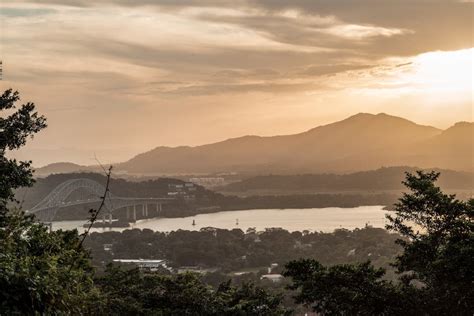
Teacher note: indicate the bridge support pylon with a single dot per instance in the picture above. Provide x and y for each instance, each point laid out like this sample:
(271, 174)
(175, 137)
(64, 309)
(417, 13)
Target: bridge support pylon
(107, 217)
(57, 199)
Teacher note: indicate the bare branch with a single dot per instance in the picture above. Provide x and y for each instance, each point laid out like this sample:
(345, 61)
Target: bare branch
(100, 164)
(95, 213)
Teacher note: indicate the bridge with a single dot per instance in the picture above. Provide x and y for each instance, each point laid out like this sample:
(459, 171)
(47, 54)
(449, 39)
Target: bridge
(85, 192)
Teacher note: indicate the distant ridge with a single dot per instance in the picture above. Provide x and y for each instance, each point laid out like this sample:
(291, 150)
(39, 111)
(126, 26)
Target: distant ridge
(363, 181)
(361, 142)
(59, 167)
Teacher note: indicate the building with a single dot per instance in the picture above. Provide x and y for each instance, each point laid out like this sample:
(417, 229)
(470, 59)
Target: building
(186, 191)
(271, 267)
(196, 269)
(145, 264)
(275, 278)
(208, 182)
(108, 247)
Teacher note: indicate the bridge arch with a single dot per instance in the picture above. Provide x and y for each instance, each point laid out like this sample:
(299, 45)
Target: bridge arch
(47, 208)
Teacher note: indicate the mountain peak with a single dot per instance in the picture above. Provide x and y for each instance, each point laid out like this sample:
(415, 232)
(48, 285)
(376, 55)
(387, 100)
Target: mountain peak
(361, 142)
(463, 124)
(382, 120)
(461, 128)
(360, 115)
(381, 115)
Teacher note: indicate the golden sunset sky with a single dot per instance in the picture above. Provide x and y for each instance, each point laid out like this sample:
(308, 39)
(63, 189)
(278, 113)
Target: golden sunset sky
(119, 77)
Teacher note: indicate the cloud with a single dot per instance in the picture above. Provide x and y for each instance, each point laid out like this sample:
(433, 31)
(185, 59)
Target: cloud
(24, 12)
(331, 69)
(196, 40)
(229, 46)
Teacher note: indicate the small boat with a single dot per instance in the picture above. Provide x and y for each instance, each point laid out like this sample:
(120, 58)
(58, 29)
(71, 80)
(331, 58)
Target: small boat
(194, 222)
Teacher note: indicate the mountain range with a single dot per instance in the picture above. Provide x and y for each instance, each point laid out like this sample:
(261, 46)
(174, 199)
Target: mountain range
(360, 142)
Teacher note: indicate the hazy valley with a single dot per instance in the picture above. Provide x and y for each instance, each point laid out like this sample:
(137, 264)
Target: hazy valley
(375, 141)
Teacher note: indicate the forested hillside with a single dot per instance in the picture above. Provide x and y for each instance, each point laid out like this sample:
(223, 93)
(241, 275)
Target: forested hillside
(374, 180)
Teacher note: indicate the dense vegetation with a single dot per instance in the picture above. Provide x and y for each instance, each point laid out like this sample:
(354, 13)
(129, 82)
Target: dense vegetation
(376, 180)
(234, 250)
(40, 272)
(50, 273)
(435, 267)
(133, 293)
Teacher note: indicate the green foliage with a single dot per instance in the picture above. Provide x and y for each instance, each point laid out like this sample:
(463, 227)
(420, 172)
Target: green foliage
(49, 273)
(40, 272)
(15, 129)
(348, 289)
(440, 250)
(234, 250)
(136, 293)
(436, 275)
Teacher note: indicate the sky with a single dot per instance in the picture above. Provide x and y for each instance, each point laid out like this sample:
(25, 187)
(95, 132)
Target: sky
(119, 77)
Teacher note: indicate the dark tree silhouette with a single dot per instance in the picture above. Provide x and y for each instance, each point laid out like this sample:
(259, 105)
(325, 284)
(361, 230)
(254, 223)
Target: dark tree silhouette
(49, 273)
(35, 273)
(436, 275)
(15, 128)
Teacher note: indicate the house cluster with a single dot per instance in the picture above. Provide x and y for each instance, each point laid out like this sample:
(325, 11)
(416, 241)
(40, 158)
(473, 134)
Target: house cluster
(185, 190)
(208, 182)
(151, 265)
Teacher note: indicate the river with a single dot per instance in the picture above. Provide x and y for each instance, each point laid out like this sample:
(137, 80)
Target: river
(312, 219)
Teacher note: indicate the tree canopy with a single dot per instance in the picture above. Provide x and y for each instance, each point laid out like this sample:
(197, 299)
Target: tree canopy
(50, 273)
(136, 293)
(40, 271)
(43, 272)
(435, 268)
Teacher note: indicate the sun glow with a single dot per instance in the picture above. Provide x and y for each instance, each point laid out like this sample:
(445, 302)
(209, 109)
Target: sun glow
(443, 78)
(444, 71)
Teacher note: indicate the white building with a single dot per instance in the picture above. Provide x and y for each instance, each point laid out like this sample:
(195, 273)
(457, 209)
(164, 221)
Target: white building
(145, 264)
(275, 278)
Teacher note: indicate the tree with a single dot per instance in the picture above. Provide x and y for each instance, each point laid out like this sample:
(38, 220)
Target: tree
(137, 293)
(438, 244)
(249, 299)
(435, 268)
(40, 272)
(49, 273)
(15, 129)
(345, 289)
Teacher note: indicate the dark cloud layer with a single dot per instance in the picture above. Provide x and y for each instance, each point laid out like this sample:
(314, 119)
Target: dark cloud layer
(317, 38)
(430, 24)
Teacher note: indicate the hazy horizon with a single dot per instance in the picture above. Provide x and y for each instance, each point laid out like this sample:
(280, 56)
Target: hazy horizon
(95, 155)
(117, 78)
